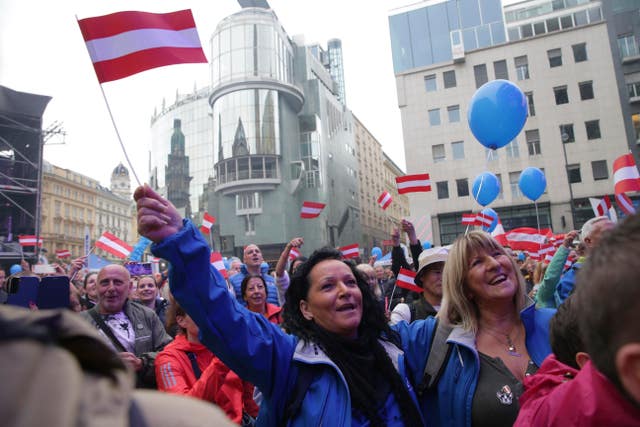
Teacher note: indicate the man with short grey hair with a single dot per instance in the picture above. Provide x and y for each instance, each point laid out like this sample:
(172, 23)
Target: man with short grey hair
(591, 233)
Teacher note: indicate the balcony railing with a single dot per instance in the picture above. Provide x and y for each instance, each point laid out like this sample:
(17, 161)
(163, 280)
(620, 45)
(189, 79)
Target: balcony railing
(256, 172)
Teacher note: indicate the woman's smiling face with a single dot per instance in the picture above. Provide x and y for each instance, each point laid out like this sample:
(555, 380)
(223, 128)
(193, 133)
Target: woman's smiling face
(491, 276)
(334, 300)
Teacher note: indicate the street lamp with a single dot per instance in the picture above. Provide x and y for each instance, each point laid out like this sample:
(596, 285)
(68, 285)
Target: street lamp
(565, 138)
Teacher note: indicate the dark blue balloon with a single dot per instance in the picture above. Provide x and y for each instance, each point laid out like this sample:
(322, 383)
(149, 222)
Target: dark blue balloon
(486, 188)
(532, 183)
(493, 214)
(377, 252)
(497, 112)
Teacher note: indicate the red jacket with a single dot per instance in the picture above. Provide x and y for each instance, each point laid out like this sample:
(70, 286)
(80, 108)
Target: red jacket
(274, 313)
(217, 384)
(551, 398)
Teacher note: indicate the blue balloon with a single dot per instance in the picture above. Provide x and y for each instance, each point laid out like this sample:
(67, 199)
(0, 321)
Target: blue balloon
(493, 214)
(486, 188)
(532, 183)
(426, 245)
(377, 252)
(497, 113)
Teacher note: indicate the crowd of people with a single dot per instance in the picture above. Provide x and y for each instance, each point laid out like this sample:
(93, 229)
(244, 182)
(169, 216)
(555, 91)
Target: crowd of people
(493, 338)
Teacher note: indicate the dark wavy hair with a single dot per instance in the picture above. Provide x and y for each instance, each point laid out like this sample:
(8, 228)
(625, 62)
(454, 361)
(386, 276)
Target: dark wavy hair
(300, 259)
(373, 322)
(245, 281)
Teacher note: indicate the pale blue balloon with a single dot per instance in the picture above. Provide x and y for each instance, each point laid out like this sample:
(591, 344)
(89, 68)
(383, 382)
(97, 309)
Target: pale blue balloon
(486, 188)
(377, 252)
(497, 113)
(532, 183)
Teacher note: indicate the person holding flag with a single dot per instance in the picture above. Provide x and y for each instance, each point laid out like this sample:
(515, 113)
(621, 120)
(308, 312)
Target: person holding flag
(546, 288)
(394, 294)
(288, 255)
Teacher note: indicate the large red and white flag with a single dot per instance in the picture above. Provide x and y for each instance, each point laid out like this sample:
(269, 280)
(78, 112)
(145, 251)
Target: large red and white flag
(207, 223)
(384, 200)
(350, 251)
(125, 43)
(413, 183)
(218, 263)
(602, 207)
(63, 253)
(311, 209)
(526, 239)
(293, 254)
(116, 247)
(625, 204)
(499, 234)
(469, 219)
(406, 280)
(625, 174)
(29, 240)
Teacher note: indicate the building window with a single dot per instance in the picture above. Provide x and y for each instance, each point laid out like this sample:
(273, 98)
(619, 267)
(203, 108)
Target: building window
(522, 67)
(532, 107)
(586, 90)
(627, 46)
(555, 57)
(437, 151)
(579, 52)
(553, 24)
(501, 194)
(593, 129)
(449, 78)
(561, 94)
(457, 148)
(566, 133)
(513, 149)
(514, 178)
(249, 225)
(500, 69)
(430, 83)
(634, 89)
(443, 189)
(566, 21)
(434, 117)
(463, 187)
(600, 171)
(454, 113)
(635, 119)
(480, 73)
(573, 172)
(533, 142)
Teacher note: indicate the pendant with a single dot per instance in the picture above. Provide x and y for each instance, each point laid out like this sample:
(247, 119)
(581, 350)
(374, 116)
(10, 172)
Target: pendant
(505, 395)
(512, 351)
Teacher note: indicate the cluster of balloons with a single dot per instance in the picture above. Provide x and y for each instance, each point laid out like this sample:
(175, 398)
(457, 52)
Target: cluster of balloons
(497, 113)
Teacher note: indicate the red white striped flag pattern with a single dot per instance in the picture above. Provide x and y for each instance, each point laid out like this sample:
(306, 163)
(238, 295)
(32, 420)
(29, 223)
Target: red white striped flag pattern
(218, 263)
(311, 209)
(384, 200)
(483, 220)
(116, 247)
(293, 254)
(625, 204)
(29, 240)
(406, 280)
(602, 207)
(207, 223)
(413, 183)
(125, 43)
(469, 219)
(526, 239)
(625, 174)
(63, 253)
(350, 251)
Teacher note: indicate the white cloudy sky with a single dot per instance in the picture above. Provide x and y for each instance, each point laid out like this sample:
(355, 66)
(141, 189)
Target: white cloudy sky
(42, 51)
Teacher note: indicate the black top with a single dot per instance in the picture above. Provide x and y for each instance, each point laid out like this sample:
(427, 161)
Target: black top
(495, 402)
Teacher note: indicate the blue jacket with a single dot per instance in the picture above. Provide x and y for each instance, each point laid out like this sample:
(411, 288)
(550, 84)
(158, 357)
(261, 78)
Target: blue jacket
(450, 402)
(566, 284)
(272, 291)
(256, 349)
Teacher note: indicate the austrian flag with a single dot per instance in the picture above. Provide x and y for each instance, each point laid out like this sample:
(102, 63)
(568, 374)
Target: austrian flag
(207, 223)
(218, 263)
(350, 251)
(625, 174)
(63, 253)
(311, 209)
(406, 280)
(116, 247)
(125, 43)
(413, 183)
(29, 240)
(469, 219)
(293, 254)
(384, 200)
(483, 220)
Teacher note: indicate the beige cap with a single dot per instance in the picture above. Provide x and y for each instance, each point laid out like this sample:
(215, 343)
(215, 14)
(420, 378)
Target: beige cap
(431, 256)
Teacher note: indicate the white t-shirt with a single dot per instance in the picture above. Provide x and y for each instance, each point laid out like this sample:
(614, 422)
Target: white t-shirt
(122, 329)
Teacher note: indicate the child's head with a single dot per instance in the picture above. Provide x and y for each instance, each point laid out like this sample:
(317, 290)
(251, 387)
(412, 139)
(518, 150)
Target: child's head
(564, 331)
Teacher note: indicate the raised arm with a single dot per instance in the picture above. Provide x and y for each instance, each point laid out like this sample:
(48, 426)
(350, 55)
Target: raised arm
(282, 278)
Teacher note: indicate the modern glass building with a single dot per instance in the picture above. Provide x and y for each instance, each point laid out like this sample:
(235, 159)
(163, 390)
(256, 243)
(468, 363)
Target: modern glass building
(436, 31)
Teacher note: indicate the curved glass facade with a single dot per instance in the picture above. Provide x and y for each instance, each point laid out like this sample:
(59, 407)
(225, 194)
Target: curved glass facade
(246, 123)
(250, 44)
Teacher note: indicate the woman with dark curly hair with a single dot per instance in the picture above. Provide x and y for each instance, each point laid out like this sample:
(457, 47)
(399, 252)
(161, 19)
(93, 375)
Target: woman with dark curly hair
(336, 331)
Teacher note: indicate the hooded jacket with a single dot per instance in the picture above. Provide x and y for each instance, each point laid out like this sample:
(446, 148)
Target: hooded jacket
(550, 399)
(450, 401)
(258, 350)
(217, 384)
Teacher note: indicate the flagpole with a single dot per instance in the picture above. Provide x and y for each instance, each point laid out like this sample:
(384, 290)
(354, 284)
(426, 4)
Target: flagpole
(211, 239)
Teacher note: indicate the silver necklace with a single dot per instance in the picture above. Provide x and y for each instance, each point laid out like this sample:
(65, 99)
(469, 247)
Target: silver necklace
(511, 347)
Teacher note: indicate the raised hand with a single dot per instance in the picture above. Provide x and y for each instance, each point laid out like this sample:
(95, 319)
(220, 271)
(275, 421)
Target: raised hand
(157, 217)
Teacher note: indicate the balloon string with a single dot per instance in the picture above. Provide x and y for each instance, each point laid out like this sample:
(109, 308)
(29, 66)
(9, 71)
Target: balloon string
(535, 203)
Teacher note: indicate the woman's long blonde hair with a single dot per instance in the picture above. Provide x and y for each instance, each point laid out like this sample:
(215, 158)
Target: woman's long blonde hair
(457, 309)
